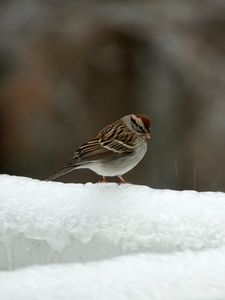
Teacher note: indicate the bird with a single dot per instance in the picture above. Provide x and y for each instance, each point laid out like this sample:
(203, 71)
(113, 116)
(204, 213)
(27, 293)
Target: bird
(116, 149)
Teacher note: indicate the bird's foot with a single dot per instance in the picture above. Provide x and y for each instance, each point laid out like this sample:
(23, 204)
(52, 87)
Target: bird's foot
(103, 180)
(122, 180)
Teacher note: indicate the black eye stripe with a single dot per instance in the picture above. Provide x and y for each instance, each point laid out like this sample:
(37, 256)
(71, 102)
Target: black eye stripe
(142, 130)
(136, 124)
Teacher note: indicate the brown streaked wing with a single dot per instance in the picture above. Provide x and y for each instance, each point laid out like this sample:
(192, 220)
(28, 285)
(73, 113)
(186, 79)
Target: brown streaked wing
(104, 146)
(107, 132)
(117, 146)
(119, 132)
(91, 152)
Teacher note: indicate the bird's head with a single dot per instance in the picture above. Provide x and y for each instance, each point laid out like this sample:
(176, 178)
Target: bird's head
(139, 123)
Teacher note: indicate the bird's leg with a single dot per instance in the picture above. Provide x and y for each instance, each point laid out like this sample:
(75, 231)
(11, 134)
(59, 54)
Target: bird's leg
(103, 179)
(122, 180)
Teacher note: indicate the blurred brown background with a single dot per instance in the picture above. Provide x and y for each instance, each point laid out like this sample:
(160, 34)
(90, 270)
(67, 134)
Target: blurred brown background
(67, 68)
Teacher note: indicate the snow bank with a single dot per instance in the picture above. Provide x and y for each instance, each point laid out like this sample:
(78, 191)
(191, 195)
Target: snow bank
(181, 236)
(42, 222)
(183, 276)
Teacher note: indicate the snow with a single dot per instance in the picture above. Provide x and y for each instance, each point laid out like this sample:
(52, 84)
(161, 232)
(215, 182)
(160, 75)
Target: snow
(120, 241)
(186, 276)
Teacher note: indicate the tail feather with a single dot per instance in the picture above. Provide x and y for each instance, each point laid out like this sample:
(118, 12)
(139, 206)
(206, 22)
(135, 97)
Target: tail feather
(60, 172)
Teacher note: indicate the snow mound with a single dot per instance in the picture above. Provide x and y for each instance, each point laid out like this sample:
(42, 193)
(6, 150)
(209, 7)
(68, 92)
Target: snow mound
(42, 222)
(181, 276)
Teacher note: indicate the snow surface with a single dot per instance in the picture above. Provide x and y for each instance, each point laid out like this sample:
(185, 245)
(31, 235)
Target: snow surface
(182, 236)
(185, 276)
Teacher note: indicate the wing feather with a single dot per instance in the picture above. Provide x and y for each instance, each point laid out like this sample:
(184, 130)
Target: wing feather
(103, 147)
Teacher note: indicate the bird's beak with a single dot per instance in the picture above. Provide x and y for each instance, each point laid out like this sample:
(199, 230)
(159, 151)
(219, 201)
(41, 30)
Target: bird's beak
(147, 136)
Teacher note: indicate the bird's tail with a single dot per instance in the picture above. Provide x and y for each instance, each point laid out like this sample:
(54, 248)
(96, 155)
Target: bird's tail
(60, 172)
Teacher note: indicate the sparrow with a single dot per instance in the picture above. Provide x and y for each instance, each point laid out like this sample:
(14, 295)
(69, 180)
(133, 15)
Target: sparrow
(116, 149)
